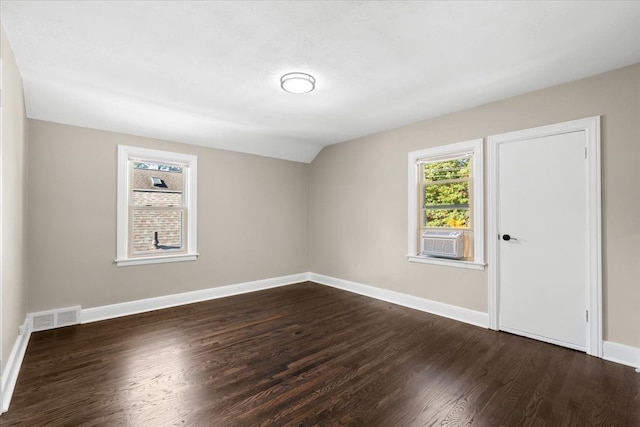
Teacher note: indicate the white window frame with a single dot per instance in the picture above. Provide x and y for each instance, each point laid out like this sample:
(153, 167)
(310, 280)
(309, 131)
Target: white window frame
(477, 211)
(125, 155)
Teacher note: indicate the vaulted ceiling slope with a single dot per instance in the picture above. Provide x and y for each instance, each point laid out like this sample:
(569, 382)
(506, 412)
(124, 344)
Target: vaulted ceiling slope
(208, 73)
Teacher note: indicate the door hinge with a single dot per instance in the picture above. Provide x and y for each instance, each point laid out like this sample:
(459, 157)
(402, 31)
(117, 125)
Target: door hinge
(587, 315)
(585, 152)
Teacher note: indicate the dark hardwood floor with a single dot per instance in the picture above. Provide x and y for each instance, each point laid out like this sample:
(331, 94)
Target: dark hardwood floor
(307, 355)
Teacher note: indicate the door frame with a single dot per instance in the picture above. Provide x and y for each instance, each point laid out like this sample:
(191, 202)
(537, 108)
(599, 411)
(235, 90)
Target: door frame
(591, 127)
(2, 374)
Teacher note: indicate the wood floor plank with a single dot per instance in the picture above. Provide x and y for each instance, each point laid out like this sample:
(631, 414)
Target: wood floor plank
(310, 355)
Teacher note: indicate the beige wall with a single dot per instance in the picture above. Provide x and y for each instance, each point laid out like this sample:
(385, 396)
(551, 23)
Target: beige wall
(252, 220)
(14, 143)
(260, 217)
(358, 196)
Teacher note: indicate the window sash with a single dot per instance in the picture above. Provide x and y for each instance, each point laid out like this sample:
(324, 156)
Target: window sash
(185, 176)
(189, 163)
(133, 253)
(422, 199)
(182, 208)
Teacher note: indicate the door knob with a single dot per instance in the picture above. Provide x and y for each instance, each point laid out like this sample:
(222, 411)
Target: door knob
(506, 237)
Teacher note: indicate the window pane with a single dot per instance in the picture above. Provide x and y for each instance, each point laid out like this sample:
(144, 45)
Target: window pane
(157, 230)
(157, 185)
(156, 166)
(451, 195)
(448, 218)
(449, 169)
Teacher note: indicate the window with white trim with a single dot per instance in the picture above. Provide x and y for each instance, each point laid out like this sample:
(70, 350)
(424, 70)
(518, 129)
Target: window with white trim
(446, 218)
(157, 206)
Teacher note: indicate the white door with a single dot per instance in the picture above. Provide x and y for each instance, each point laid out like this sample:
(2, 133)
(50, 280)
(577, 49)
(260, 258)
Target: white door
(542, 231)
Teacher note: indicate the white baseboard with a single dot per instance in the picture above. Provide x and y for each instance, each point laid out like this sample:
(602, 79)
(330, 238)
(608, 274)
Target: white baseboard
(461, 314)
(140, 306)
(620, 353)
(10, 374)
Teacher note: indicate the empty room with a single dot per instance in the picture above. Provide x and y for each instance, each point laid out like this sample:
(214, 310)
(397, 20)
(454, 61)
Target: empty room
(319, 213)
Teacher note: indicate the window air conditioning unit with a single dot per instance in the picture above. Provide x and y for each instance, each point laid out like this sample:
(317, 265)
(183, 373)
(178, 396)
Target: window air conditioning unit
(446, 244)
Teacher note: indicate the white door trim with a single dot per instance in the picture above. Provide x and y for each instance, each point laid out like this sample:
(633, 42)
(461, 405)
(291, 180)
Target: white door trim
(1, 237)
(591, 127)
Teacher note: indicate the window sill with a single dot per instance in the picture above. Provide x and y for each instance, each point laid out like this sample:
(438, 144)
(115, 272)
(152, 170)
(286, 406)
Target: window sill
(472, 265)
(156, 259)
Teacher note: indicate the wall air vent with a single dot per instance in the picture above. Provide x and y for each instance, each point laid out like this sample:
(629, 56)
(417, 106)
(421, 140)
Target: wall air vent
(445, 244)
(43, 321)
(66, 318)
(51, 319)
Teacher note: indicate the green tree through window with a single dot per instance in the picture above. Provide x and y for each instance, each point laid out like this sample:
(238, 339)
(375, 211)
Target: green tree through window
(445, 193)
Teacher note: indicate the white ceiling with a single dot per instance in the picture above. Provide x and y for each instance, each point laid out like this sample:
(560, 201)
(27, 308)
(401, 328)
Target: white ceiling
(207, 73)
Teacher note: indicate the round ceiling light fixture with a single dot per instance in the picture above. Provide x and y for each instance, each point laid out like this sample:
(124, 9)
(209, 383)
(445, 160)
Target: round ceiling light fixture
(297, 82)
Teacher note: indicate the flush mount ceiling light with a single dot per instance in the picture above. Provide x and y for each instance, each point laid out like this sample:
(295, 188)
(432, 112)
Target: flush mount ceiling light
(297, 82)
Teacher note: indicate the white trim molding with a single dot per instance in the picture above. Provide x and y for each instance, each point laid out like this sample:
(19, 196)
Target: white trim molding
(461, 314)
(620, 353)
(474, 146)
(14, 363)
(190, 197)
(2, 393)
(591, 127)
(448, 262)
(105, 312)
(156, 260)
